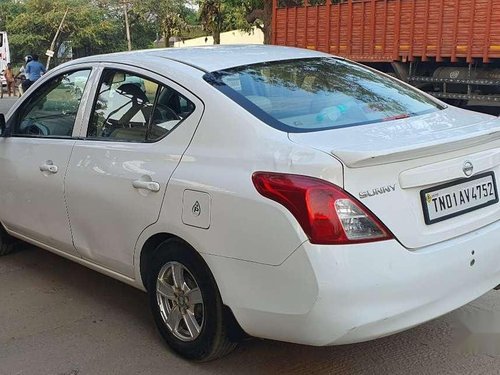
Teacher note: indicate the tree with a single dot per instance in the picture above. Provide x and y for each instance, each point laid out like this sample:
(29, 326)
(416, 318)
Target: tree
(143, 32)
(91, 26)
(259, 13)
(212, 17)
(255, 13)
(169, 16)
(217, 16)
(88, 29)
(9, 9)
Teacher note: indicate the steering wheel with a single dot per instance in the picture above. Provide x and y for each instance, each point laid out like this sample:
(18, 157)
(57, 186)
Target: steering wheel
(35, 128)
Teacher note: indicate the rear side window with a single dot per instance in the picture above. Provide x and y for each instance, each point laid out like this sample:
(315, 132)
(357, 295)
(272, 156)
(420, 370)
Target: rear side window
(132, 108)
(320, 93)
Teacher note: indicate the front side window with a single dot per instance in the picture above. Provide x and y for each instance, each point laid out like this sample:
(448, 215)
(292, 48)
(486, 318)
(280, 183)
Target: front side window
(319, 93)
(132, 108)
(51, 110)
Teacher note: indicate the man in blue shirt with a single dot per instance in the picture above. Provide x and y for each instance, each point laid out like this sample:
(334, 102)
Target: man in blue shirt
(34, 70)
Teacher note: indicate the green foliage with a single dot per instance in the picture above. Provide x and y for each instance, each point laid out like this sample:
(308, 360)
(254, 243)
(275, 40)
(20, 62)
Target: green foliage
(217, 16)
(169, 17)
(8, 11)
(254, 13)
(98, 26)
(91, 26)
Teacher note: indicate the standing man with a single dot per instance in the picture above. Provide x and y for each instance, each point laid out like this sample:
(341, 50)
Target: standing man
(8, 73)
(34, 70)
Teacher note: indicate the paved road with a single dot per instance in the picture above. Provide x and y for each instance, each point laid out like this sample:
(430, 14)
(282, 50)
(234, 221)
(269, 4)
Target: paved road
(6, 103)
(59, 318)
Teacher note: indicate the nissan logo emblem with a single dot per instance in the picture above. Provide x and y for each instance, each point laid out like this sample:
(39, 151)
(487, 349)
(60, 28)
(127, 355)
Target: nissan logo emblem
(468, 168)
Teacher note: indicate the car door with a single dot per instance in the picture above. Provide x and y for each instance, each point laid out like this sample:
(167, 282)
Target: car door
(139, 127)
(34, 158)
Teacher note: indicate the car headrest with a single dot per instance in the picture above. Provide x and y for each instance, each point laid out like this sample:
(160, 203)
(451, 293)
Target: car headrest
(133, 91)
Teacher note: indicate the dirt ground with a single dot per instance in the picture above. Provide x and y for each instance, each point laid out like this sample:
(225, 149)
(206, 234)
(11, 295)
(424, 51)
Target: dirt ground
(57, 317)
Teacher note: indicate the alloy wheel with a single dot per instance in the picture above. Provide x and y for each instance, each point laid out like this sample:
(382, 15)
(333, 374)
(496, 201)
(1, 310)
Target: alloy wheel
(180, 301)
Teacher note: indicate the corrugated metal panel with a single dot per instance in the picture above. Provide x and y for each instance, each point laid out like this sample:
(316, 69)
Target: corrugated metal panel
(386, 30)
(420, 22)
(406, 29)
(494, 46)
(323, 21)
(311, 27)
(448, 21)
(300, 24)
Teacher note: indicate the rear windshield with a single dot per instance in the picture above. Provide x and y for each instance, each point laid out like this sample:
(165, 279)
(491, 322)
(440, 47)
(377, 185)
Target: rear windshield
(318, 94)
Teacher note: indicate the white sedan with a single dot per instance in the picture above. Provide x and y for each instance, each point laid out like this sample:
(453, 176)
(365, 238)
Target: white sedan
(278, 192)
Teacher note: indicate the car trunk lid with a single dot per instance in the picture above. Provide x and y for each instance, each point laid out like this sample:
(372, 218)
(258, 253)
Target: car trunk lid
(394, 167)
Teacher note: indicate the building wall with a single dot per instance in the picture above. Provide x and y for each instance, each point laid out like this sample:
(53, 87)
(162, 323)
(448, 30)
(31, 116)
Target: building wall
(230, 37)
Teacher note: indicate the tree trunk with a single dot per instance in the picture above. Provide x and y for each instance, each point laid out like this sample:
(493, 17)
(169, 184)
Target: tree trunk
(264, 15)
(217, 22)
(216, 36)
(166, 39)
(268, 21)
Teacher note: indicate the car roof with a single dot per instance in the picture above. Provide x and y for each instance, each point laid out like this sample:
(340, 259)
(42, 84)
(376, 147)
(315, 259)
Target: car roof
(211, 58)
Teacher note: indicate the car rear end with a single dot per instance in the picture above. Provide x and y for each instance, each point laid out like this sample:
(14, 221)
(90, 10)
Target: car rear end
(411, 234)
(441, 208)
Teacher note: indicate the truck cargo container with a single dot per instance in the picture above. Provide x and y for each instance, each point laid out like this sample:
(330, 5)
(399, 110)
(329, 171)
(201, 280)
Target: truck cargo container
(449, 48)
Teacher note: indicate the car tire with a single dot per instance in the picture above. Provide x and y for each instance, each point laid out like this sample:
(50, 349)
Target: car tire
(186, 303)
(6, 242)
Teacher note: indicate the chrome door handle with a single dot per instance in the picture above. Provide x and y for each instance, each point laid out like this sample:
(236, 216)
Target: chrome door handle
(48, 168)
(148, 185)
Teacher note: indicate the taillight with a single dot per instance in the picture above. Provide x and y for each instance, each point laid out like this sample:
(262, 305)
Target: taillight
(327, 214)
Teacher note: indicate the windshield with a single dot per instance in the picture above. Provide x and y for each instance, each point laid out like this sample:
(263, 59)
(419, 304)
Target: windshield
(321, 93)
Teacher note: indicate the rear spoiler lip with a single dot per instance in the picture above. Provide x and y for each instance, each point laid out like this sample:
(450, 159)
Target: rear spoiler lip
(359, 159)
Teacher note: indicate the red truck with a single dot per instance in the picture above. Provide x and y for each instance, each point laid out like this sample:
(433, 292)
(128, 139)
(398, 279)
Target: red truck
(449, 48)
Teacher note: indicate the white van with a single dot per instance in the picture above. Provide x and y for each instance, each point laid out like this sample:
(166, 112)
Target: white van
(4, 54)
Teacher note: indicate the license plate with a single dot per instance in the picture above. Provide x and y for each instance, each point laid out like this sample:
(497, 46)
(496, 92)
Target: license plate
(459, 197)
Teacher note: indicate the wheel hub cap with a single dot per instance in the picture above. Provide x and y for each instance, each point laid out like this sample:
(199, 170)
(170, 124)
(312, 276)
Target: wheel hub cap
(180, 301)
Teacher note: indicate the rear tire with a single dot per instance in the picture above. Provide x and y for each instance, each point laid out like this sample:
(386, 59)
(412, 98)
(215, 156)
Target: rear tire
(186, 303)
(6, 242)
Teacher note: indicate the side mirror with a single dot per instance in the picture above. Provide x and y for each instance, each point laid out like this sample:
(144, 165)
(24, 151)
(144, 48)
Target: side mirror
(2, 125)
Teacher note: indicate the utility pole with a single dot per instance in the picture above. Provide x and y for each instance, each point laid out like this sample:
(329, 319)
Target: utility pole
(127, 26)
(50, 52)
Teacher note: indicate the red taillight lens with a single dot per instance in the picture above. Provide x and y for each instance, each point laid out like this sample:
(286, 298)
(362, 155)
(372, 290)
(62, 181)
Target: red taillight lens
(327, 214)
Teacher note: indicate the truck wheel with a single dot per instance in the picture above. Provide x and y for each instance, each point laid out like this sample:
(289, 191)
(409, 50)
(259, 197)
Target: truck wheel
(186, 304)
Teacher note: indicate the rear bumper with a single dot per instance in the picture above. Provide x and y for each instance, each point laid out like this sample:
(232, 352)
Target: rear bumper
(326, 295)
